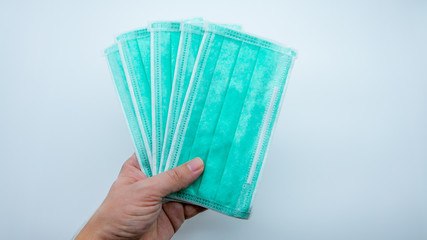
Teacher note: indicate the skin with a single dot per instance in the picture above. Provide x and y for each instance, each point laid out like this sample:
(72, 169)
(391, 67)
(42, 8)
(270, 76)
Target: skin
(133, 208)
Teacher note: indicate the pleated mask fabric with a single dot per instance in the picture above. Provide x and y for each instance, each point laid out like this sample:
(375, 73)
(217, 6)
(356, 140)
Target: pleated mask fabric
(189, 44)
(134, 48)
(227, 117)
(191, 37)
(164, 49)
(119, 78)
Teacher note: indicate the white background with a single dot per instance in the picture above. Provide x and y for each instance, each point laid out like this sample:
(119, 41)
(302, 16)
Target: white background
(348, 159)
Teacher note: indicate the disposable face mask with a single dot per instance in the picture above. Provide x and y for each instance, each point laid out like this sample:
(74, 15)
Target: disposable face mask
(134, 49)
(227, 117)
(118, 74)
(164, 48)
(189, 44)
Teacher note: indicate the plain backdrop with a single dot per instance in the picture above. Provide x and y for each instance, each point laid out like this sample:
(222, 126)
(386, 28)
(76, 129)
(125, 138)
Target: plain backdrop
(348, 159)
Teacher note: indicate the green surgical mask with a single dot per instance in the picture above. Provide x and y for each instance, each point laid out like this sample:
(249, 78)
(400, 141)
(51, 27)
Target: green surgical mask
(118, 74)
(134, 49)
(164, 49)
(189, 44)
(227, 117)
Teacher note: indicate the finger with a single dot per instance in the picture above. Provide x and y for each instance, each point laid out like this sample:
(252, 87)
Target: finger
(175, 179)
(133, 161)
(192, 210)
(131, 168)
(175, 213)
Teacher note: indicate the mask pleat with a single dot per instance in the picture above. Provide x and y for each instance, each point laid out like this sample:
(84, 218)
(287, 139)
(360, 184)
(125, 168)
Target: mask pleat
(138, 86)
(143, 91)
(155, 96)
(120, 82)
(168, 42)
(200, 98)
(190, 89)
(189, 44)
(284, 63)
(241, 152)
(144, 50)
(166, 68)
(213, 106)
(228, 120)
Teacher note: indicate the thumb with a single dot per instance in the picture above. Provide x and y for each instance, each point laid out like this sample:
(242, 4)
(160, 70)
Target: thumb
(177, 178)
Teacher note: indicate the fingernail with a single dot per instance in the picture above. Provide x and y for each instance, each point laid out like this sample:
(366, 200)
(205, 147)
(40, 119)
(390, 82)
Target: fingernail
(195, 164)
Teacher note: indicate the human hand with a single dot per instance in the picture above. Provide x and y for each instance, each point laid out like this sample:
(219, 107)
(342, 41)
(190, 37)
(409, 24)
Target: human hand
(133, 208)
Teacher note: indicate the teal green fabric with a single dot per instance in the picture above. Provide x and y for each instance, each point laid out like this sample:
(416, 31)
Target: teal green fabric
(228, 114)
(191, 37)
(119, 77)
(135, 51)
(164, 49)
(189, 44)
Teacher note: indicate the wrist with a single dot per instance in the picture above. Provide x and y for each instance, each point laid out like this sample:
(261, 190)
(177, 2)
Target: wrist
(92, 230)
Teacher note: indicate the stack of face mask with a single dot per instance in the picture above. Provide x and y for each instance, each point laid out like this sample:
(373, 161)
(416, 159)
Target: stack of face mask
(195, 89)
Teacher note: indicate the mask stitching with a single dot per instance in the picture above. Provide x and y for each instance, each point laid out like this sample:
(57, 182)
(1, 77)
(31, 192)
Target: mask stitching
(189, 97)
(156, 86)
(132, 84)
(249, 39)
(129, 113)
(210, 204)
(192, 28)
(177, 86)
(165, 26)
(147, 126)
(133, 35)
(141, 105)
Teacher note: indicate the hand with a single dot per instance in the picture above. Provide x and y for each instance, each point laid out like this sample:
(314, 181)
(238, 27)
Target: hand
(133, 208)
